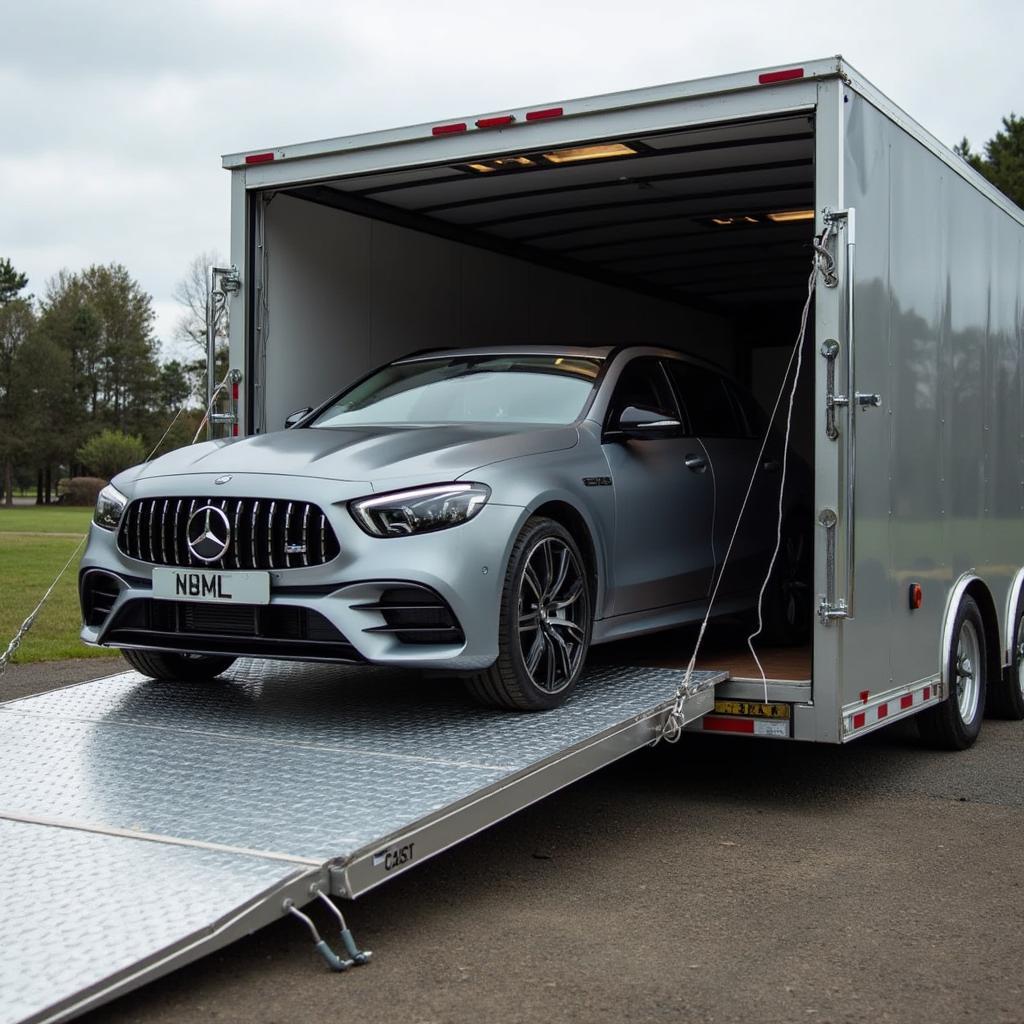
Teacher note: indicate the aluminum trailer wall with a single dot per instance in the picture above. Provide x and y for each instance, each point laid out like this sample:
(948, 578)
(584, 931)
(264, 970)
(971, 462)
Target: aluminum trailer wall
(939, 330)
(347, 293)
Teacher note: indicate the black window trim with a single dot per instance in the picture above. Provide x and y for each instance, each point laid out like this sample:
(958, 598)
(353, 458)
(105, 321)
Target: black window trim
(746, 432)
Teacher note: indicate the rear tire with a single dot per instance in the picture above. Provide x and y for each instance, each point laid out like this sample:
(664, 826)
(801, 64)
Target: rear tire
(1006, 697)
(184, 667)
(955, 723)
(544, 625)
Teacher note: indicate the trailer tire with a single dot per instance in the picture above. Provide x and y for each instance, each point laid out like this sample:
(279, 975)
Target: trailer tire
(546, 589)
(1006, 698)
(183, 667)
(955, 723)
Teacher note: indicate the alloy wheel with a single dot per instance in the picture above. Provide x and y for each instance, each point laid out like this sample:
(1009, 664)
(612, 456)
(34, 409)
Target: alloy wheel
(552, 630)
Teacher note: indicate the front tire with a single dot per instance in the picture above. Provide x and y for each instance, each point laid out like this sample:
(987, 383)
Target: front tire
(184, 667)
(544, 626)
(955, 723)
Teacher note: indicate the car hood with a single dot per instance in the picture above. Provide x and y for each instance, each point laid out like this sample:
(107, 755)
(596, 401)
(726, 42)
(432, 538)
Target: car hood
(371, 454)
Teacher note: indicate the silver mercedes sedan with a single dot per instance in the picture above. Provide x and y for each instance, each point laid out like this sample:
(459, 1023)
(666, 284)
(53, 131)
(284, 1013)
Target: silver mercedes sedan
(491, 512)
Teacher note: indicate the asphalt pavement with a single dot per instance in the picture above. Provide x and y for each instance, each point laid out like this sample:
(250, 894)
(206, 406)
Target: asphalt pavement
(721, 880)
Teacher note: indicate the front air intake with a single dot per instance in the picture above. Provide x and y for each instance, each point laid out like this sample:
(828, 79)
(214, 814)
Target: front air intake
(260, 533)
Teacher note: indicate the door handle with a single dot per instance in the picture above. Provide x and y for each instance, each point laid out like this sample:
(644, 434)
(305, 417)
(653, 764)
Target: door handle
(771, 465)
(695, 463)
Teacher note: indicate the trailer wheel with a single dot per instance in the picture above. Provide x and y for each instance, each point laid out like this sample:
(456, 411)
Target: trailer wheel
(544, 626)
(186, 667)
(955, 723)
(1007, 697)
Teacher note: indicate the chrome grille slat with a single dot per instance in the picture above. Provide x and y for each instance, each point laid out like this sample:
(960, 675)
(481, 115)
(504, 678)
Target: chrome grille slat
(252, 533)
(287, 526)
(305, 535)
(270, 536)
(179, 559)
(163, 532)
(155, 530)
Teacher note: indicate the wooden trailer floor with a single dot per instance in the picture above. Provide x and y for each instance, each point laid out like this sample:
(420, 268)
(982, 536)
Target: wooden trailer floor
(724, 647)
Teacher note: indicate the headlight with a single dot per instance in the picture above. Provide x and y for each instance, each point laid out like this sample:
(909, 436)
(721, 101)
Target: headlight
(110, 503)
(420, 510)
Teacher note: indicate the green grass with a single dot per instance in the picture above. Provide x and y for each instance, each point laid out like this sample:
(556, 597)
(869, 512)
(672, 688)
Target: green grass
(44, 519)
(28, 562)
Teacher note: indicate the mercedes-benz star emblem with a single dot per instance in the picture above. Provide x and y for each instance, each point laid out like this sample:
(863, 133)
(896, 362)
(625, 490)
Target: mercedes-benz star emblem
(209, 533)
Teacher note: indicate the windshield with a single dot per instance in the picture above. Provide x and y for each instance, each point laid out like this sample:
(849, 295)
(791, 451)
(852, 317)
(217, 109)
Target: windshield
(468, 389)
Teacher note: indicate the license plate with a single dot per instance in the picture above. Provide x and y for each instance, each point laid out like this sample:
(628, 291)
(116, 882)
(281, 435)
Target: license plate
(213, 587)
(751, 709)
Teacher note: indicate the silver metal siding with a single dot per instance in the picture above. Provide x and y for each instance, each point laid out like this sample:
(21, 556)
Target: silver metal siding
(939, 335)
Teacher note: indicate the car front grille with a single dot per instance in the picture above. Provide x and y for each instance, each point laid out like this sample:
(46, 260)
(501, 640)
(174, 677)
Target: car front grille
(263, 533)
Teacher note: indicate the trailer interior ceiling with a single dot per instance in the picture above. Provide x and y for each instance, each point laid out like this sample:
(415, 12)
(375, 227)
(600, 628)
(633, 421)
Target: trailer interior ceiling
(717, 218)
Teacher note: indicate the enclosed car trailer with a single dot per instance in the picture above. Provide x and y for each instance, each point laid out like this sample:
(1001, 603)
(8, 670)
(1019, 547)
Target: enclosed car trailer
(684, 215)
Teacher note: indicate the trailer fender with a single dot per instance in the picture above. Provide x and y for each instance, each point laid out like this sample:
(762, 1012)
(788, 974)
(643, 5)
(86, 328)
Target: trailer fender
(1013, 600)
(970, 583)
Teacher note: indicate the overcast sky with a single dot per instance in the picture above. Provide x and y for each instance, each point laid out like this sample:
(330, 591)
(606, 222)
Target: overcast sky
(115, 112)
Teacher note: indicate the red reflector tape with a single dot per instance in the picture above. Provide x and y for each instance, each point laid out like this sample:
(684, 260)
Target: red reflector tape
(883, 710)
(540, 115)
(495, 122)
(907, 701)
(858, 720)
(234, 391)
(715, 724)
(234, 430)
(780, 76)
(926, 693)
(448, 129)
(259, 158)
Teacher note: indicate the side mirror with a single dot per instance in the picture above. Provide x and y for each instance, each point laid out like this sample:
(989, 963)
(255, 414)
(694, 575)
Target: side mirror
(634, 422)
(297, 417)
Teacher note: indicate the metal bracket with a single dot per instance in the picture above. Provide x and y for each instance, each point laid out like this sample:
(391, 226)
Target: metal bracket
(356, 955)
(830, 350)
(829, 609)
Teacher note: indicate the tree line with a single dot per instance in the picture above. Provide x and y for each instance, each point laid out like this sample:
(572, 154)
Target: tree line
(82, 387)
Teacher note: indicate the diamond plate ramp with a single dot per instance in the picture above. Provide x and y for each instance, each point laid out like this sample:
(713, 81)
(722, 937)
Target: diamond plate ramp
(171, 818)
(131, 907)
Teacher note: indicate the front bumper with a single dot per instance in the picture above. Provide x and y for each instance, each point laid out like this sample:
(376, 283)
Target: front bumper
(463, 566)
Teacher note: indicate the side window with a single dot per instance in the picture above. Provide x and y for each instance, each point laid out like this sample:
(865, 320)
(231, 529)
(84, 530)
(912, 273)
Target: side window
(756, 420)
(707, 401)
(643, 384)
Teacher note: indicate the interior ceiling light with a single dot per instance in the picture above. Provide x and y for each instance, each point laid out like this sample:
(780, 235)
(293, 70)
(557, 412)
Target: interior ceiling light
(600, 152)
(505, 163)
(786, 216)
(741, 219)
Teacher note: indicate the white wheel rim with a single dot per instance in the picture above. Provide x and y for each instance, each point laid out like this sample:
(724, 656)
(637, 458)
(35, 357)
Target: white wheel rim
(967, 672)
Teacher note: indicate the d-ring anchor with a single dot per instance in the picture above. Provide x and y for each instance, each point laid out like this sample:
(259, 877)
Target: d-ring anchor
(359, 956)
(335, 962)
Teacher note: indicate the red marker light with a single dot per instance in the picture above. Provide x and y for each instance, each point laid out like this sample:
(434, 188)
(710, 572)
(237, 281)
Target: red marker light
(780, 76)
(916, 596)
(259, 158)
(540, 115)
(495, 122)
(448, 129)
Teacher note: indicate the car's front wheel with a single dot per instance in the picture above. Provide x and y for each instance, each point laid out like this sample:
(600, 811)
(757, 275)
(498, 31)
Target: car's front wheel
(186, 667)
(545, 623)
